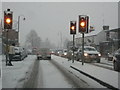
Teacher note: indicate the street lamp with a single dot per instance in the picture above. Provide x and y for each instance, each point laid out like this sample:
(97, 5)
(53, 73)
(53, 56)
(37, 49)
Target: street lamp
(19, 24)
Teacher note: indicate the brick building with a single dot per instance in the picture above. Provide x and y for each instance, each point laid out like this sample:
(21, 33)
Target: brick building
(12, 36)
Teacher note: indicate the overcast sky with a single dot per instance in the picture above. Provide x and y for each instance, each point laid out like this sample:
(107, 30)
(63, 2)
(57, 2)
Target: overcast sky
(51, 19)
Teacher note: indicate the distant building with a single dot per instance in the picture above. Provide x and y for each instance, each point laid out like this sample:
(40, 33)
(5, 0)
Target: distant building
(12, 36)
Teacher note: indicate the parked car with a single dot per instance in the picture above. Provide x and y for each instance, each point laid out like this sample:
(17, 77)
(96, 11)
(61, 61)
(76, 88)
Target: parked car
(19, 53)
(43, 53)
(90, 54)
(116, 60)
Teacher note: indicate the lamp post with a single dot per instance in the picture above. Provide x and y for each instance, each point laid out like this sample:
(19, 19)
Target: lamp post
(19, 25)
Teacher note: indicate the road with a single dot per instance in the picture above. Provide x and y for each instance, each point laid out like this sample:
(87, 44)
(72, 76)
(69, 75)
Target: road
(52, 77)
(48, 74)
(56, 73)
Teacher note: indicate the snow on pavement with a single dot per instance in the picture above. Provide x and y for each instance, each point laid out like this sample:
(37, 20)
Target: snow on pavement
(14, 76)
(105, 75)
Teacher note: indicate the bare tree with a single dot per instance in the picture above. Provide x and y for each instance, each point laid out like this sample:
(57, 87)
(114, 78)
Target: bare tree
(33, 39)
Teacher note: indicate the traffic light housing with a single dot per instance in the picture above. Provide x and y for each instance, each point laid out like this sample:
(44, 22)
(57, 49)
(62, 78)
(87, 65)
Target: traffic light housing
(8, 19)
(83, 23)
(72, 27)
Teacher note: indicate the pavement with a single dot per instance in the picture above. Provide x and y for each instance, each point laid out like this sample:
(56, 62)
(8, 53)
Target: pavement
(15, 76)
(106, 77)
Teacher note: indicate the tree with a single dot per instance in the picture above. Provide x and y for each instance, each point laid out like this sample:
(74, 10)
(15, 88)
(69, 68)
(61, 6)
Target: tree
(33, 39)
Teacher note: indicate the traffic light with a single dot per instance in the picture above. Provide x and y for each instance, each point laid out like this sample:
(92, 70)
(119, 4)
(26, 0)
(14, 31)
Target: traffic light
(72, 27)
(8, 19)
(83, 23)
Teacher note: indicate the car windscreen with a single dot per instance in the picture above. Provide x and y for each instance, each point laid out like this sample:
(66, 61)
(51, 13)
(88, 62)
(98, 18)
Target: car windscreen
(89, 49)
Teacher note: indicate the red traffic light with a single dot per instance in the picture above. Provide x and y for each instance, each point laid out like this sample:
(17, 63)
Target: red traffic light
(72, 27)
(83, 23)
(8, 20)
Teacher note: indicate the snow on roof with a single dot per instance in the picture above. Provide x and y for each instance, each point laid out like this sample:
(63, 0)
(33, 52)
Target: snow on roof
(93, 33)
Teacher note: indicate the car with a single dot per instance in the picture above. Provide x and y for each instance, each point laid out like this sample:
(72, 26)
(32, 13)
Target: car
(90, 54)
(110, 56)
(116, 60)
(43, 53)
(52, 51)
(19, 53)
(64, 53)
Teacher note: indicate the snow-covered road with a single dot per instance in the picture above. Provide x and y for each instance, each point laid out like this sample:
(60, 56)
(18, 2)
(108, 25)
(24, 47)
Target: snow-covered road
(56, 73)
(52, 77)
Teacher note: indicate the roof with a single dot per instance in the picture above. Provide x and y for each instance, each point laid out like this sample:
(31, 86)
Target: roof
(88, 47)
(93, 33)
(112, 30)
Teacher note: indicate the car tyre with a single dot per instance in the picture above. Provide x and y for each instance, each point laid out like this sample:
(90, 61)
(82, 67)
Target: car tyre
(98, 61)
(49, 58)
(38, 58)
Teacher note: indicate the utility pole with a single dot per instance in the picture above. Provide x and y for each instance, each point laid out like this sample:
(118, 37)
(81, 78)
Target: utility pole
(19, 27)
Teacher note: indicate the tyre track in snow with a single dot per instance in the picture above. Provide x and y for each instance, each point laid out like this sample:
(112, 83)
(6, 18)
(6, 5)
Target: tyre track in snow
(75, 80)
(54, 70)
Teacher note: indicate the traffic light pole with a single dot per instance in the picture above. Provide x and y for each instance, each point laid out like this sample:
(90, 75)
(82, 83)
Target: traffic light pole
(6, 47)
(82, 48)
(73, 47)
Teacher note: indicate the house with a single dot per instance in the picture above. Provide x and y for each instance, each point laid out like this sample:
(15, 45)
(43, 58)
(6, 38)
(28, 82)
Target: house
(112, 42)
(93, 38)
(105, 41)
